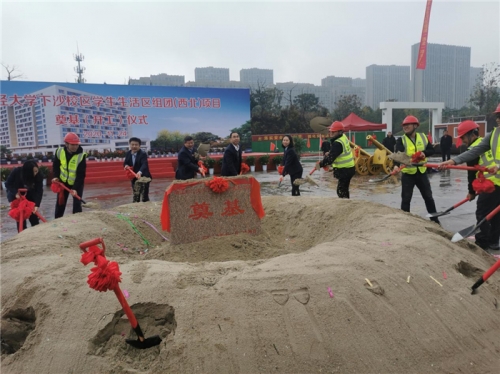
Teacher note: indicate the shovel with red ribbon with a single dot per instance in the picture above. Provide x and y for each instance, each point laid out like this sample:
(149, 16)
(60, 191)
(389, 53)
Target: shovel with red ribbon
(105, 276)
(22, 208)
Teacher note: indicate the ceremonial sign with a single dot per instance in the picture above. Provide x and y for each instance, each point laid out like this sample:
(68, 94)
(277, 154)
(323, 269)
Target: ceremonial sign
(199, 209)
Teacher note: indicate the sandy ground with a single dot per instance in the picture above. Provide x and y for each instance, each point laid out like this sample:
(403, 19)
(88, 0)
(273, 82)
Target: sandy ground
(329, 286)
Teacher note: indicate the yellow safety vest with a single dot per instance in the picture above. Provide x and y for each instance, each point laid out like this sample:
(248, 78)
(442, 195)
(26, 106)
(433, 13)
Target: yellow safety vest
(68, 170)
(411, 148)
(486, 160)
(345, 159)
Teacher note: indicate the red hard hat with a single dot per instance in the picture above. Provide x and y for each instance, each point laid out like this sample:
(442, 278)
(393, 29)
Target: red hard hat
(410, 119)
(465, 127)
(498, 109)
(71, 138)
(336, 126)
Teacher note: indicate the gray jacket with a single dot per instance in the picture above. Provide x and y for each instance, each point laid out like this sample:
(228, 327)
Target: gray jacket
(475, 152)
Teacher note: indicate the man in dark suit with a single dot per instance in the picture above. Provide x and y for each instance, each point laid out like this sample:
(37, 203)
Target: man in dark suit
(446, 143)
(137, 159)
(231, 161)
(389, 142)
(187, 164)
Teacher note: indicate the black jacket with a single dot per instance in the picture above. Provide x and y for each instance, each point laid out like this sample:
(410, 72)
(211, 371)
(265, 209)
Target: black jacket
(446, 143)
(187, 166)
(141, 163)
(15, 181)
(81, 170)
(336, 149)
(389, 142)
(291, 162)
(325, 146)
(231, 161)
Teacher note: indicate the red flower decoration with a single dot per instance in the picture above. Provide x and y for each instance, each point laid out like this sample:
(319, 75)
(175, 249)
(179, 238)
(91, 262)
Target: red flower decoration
(203, 168)
(482, 185)
(104, 278)
(280, 169)
(55, 187)
(130, 174)
(244, 168)
(91, 255)
(218, 185)
(24, 206)
(418, 157)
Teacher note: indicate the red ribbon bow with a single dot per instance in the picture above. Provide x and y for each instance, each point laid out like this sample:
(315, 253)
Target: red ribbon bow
(218, 185)
(482, 185)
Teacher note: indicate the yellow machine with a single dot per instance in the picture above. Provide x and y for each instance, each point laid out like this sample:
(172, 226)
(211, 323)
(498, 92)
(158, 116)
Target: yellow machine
(379, 161)
(361, 159)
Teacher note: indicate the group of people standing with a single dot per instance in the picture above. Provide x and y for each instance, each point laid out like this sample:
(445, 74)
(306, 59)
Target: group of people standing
(69, 170)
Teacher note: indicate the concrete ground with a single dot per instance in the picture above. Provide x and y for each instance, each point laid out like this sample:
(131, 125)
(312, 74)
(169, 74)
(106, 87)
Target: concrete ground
(448, 187)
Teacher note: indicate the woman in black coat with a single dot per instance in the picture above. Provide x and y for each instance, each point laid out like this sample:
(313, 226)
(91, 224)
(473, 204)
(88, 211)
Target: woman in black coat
(26, 176)
(291, 163)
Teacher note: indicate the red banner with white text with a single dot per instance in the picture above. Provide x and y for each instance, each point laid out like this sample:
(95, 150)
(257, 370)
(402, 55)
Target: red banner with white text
(422, 53)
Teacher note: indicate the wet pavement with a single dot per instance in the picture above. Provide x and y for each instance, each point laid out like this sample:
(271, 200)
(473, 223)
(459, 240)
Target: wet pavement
(448, 187)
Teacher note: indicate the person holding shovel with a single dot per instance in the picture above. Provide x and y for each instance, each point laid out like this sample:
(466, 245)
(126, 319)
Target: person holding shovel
(70, 168)
(417, 146)
(26, 176)
(487, 151)
(187, 164)
(232, 159)
(291, 163)
(137, 160)
(340, 157)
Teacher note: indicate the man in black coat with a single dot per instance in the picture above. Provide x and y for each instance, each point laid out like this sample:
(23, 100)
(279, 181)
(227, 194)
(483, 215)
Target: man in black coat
(446, 143)
(137, 159)
(231, 161)
(187, 164)
(389, 142)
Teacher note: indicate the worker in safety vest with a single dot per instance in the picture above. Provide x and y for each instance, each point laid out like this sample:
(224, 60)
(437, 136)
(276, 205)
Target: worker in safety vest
(70, 168)
(341, 158)
(417, 146)
(488, 151)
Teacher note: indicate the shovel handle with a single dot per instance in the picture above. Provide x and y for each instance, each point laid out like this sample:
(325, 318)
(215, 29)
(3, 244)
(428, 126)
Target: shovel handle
(492, 213)
(90, 243)
(40, 216)
(461, 202)
(126, 309)
(486, 275)
(459, 167)
(69, 190)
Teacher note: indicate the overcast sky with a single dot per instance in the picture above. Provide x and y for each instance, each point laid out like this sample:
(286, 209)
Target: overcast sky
(301, 41)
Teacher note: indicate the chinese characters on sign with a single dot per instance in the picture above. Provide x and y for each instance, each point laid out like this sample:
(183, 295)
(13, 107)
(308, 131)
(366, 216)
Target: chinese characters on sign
(202, 210)
(68, 102)
(109, 101)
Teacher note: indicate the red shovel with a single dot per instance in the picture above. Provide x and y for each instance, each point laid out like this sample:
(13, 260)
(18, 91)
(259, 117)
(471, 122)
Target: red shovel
(67, 189)
(447, 211)
(106, 276)
(485, 276)
(472, 230)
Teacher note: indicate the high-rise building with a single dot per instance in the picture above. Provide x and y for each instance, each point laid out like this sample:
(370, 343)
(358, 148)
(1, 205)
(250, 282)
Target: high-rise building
(474, 75)
(256, 78)
(211, 74)
(45, 121)
(445, 78)
(384, 83)
(159, 80)
(344, 86)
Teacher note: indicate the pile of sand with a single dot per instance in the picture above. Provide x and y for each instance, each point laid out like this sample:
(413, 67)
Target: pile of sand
(324, 288)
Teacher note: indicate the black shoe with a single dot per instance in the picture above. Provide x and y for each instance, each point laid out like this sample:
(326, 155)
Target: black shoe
(493, 247)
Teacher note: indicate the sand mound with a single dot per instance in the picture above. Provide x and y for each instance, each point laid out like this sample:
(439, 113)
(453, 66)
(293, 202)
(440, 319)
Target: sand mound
(324, 288)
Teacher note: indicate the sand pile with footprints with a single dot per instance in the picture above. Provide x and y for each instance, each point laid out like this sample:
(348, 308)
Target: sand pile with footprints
(329, 286)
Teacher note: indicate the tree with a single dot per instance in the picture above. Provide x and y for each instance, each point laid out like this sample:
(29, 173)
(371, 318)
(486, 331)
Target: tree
(167, 140)
(204, 137)
(245, 132)
(12, 72)
(486, 94)
(4, 151)
(346, 105)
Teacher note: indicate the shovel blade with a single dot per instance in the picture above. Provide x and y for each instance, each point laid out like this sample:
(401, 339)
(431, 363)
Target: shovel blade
(438, 214)
(152, 341)
(465, 233)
